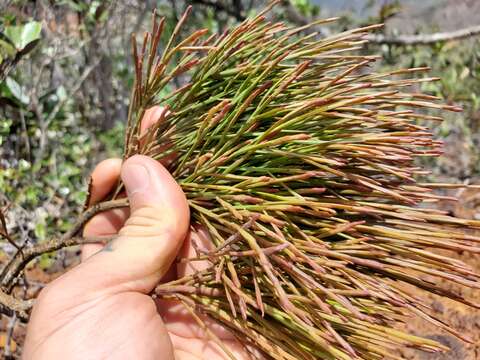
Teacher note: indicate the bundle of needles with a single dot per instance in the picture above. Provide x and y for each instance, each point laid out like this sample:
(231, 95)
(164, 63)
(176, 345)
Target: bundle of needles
(300, 163)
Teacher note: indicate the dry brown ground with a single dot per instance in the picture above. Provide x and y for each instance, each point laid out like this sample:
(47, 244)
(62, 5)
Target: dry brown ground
(463, 318)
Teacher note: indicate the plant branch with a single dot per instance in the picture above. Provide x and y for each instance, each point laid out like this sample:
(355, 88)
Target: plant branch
(294, 16)
(424, 39)
(9, 335)
(24, 256)
(10, 306)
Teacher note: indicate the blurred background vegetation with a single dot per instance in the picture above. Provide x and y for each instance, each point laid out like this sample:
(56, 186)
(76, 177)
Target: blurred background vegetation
(65, 75)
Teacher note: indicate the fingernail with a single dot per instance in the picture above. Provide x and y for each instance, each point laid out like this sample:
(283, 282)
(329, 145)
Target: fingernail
(136, 179)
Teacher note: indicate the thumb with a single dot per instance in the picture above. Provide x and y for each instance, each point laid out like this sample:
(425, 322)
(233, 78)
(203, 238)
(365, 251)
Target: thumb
(147, 244)
(158, 224)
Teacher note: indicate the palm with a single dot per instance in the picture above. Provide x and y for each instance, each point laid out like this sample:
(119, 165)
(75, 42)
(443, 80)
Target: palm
(123, 322)
(189, 339)
(128, 326)
(145, 320)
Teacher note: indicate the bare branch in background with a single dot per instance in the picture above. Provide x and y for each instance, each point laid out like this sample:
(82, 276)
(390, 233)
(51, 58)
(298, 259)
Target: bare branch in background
(9, 306)
(424, 39)
(294, 16)
(70, 238)
(8, 338)
(235, 11)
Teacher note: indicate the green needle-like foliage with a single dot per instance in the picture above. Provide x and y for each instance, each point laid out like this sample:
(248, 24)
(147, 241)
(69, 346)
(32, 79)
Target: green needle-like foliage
(300, 164)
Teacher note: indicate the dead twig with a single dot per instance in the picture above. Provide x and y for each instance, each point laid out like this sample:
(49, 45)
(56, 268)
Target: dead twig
(423, 39)
(10, 306)
(8, 337)
(23, 257)
(294, 16)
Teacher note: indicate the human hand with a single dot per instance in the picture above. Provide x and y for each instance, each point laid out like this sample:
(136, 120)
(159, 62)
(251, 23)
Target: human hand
(101, 309)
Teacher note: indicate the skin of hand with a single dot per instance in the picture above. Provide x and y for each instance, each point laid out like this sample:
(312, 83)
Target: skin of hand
(101, 309)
